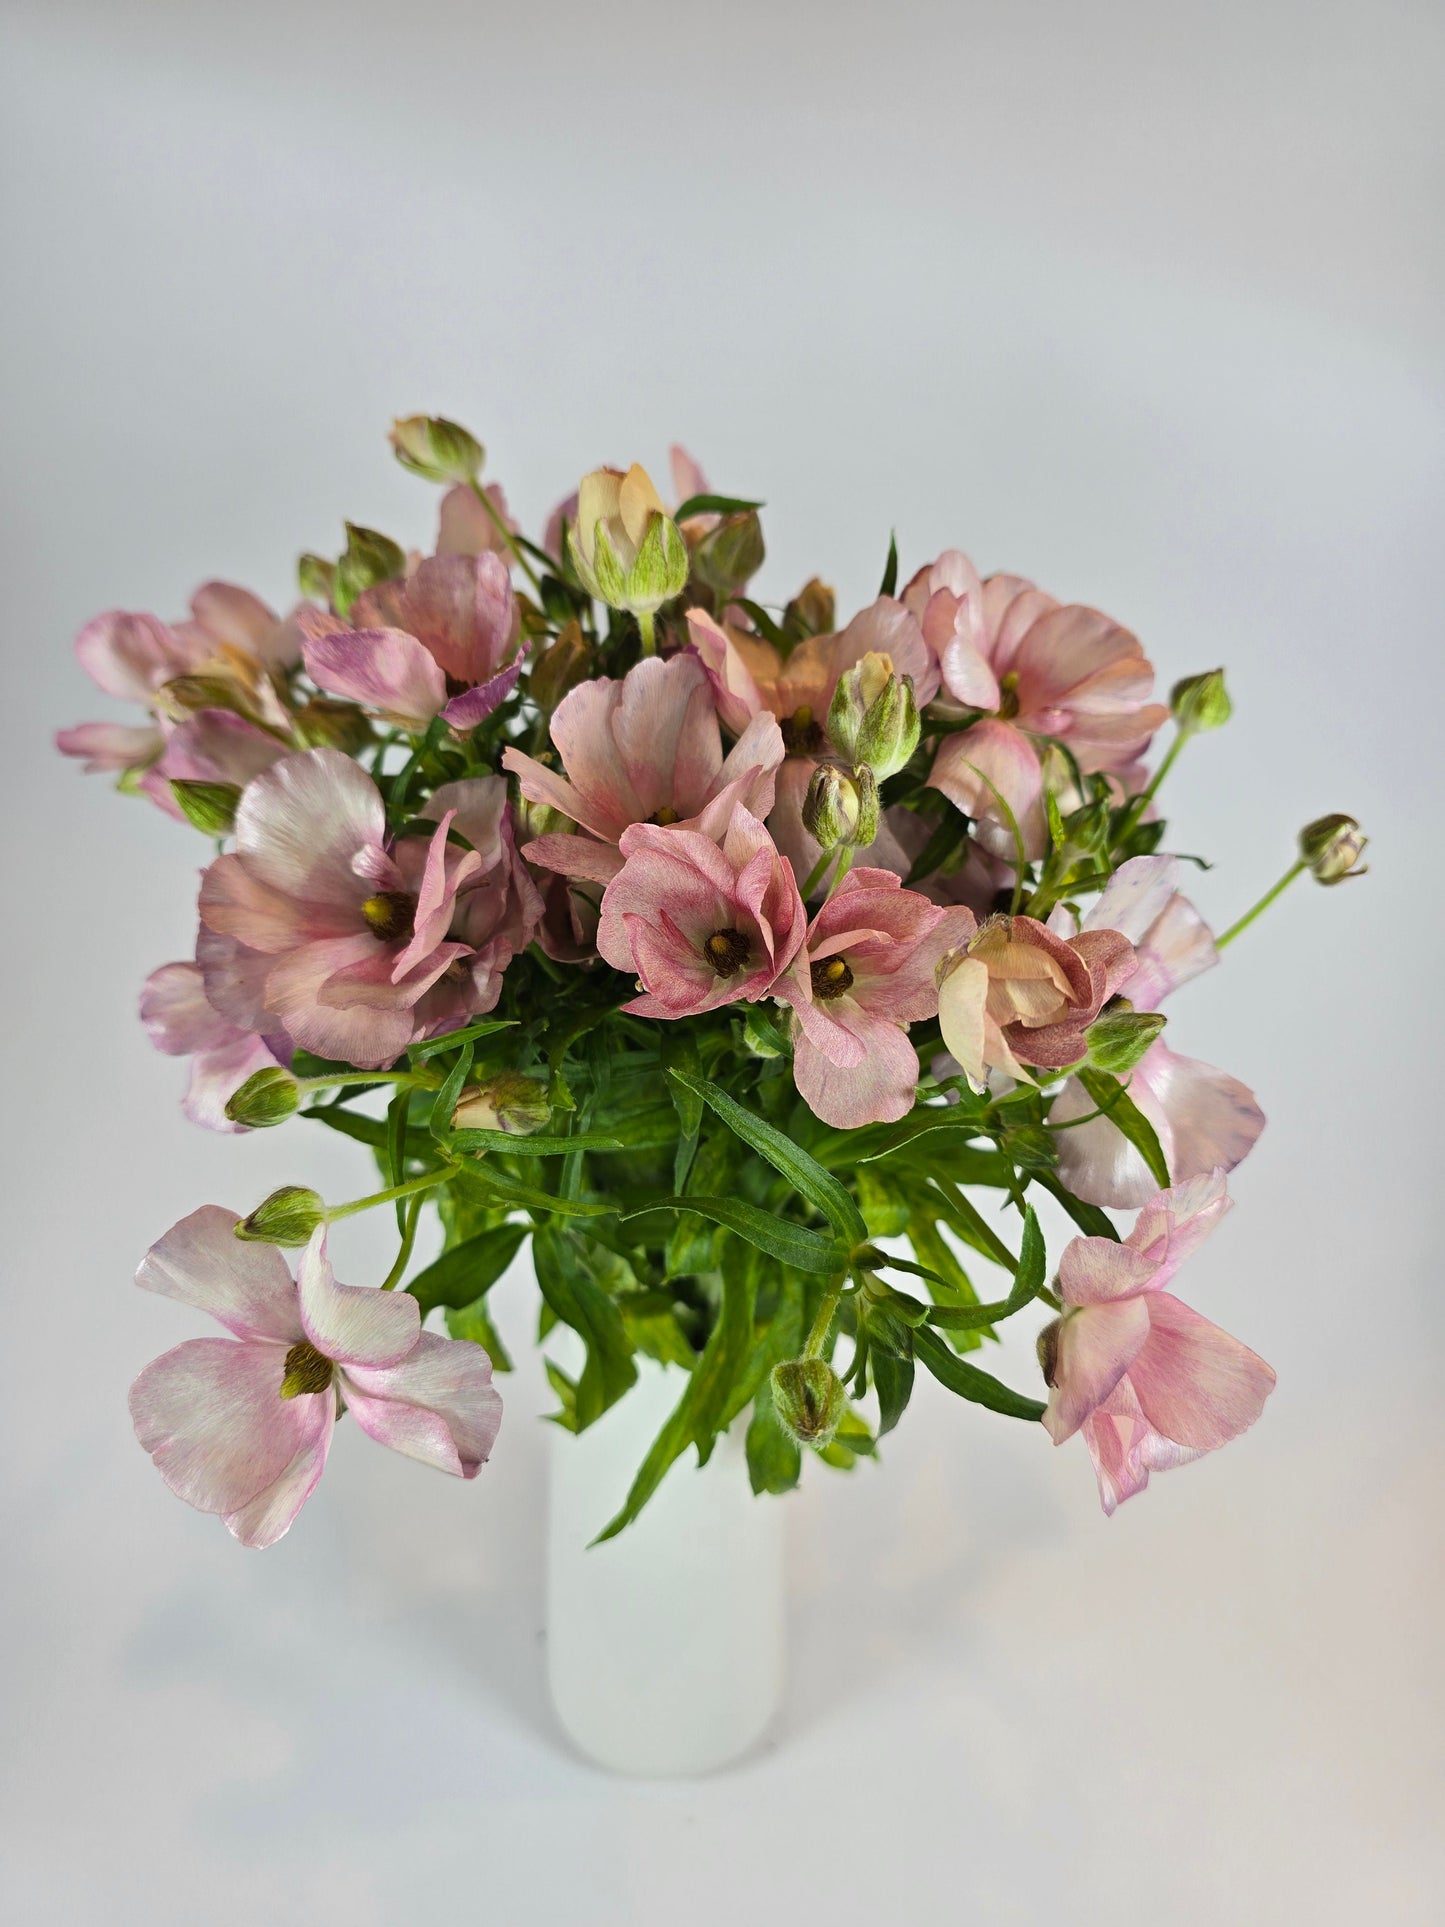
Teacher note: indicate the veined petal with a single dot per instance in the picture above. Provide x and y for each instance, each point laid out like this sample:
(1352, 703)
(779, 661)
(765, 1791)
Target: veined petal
(176, 1015)
(271, 1513)
(244, 1286)
(301, 822)
(1096, 1346)
(350, 1324)
(1195, 1383)
(438, 1405)
(385, 669)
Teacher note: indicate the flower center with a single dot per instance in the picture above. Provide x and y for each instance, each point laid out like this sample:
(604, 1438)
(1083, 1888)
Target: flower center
(391, 914)
(1008, 694)
(665, 816)
(831, 978)
(307, 1371)
(727, 951)
(802, 735)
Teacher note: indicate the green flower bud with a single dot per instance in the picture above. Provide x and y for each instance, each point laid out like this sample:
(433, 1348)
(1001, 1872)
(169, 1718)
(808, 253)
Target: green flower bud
(627, 550)
(812, 611)
(1201, 702)
(729, 555)
(287, 1217)
(561, 666)
(438, 450)
(840, 808)
(326, 722)
(1119, 1038)
(316, 578)
(267, 1097)
(1332, 847)
(369, 558)
(210, 807)
(809, 1399)
(510, 1101)
(873, 718)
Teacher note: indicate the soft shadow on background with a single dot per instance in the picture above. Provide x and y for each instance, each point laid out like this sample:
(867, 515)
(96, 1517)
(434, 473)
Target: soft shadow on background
(1142, 301)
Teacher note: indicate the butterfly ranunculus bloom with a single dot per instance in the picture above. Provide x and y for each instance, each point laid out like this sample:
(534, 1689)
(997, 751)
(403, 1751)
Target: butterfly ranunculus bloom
(868, 968)
(1203, 1118)
(646, 749)
(701, 923)
(1149, 1382)
(241, 1426)
(1019, 995)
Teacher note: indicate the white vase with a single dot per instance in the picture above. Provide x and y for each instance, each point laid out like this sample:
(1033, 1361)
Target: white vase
(665, 1645)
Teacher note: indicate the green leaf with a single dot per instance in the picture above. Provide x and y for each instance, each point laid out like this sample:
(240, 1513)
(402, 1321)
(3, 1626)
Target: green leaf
(890, 569)
(533, 1147)
(968, 1381)
(883, 1204)
(472, 1322)
(566, 1396)
(1124, 1114)
(765, 624)
(501, 1188)
(463, 1274)
(713, 505)
(367, 1130)
(952, 1285)
(804, 1173)
(966, 1220)
(793, 1244)
(893, 1382)
(576, 1299)
(1028, 1281)
(445, 1101)
(775, 1459)
(418, 1053)
(1088, 1217)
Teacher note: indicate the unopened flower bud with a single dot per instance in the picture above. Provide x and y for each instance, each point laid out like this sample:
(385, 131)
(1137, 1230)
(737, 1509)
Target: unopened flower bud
(267, 1097)
(1332, 847)
(1201, 702)
(325, 722)
(438, 450)
(210, 807)
(185, 696)
(840, 808)
(733, 552)
(873, 719)
(1119, 1038)
(625, 547)
(809, 1399)
(511, 1102)
(561, 666)
(316, 578)
(287, 1217)
(812, 611)
(369, 558)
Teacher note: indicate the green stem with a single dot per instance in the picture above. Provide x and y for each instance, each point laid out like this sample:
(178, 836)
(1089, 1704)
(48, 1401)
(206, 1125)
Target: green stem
(845, 864)
(1146, 796)
(408, 1239)
(823, 1323)
(332, 1078)
(507, 536)
(423, 1183)
(647, 623)
(1259, 908)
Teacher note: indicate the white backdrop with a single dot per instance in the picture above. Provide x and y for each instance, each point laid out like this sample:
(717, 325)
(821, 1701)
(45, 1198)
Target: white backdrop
(1143, 301)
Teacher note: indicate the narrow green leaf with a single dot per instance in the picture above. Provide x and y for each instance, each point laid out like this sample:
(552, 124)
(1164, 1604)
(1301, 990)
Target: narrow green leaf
(1028, 1281)
(765, 624)
(803, 1172)
(367, 1130)
(461, 1276)
(966, 1220)
(890, 569)
(714, 505)
(775, 1459)
(968, 1381)
(1088, 1217)
(566, 1396)
(793, 1244)
(576, 1299)
(501, 1188)
(396, 1147)
(533, 1147)
(893, 1382)
(445, 1101)
(1126, 1117)
(418, 1053)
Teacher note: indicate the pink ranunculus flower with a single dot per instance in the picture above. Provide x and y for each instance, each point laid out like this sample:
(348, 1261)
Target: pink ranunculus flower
(241, 1426)
(180, 1021)
(1020, 995)
(1148, 1381)
(701, 923)
(1204, 1119)
(312, 926)
(440, 642)
(867, 970)
(646, 749)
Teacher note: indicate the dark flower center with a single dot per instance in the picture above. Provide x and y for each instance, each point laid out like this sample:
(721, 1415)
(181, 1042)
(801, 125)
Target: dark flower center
(307, 1371)
(802, 734)
(831, 978)
(456, 688)
(1008, 694)
(665, 816)
(391, 914)
(727, 951)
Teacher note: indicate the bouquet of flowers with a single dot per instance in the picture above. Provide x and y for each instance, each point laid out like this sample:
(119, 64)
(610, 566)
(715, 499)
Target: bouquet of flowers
(731, 956)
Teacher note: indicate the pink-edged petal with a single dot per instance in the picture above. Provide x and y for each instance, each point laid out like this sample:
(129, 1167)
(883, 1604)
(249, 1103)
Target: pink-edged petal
(270, 1515)
(735, 690)
(878, 1090)
(1125, 1448)
(1177, 947)
(977, 767)
(244, 1286)
(218, 1073)
(211, 1415)
(438, 1405)
(177, 1017)
(1092, 1271)
(464, 526)
(464, 712)
(1213, 1119)
(479, 810)
(130, 655)
(301, 823)
(351, 1324)
(217, 746)
(1195, 1383)
(386, 669)
(308, 997)
(110, 746)
(542, 785)
(1096, 1346)
(1174, 1223)
(576, 856)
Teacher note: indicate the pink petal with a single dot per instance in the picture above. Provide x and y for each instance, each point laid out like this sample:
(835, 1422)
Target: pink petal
(1177, 947)
(176, 1015)
(244, 1286)
(1135, 896)
(1125, 1448)
(270, 1514)
(341, 1025)
(994, 756)
(576, 856)
(479, 810)
(217, 746)
(463, 609)
(1093, 1271)
(1096, 1346)
(438, 1405)
(1096, 1161)
(1212, 1119)
(303, 821)
(465, 528)
(735, 690)
(110, 746)
(1195, 1384)
(211, 1415)
(350, 1324)
(131, 655)
(1174, 1223)
(233, 617)
(464, 712)
(880, 1090)
(385, 669)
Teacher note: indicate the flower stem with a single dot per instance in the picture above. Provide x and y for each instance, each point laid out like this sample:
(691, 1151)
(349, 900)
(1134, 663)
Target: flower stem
(1146, 796)
(423, 1183)
(333, 1078)
(647, 623)
(845, 864)
(1259, 908)
(815, 875)
(507, 536)
(408, 1239)
(823, 1323)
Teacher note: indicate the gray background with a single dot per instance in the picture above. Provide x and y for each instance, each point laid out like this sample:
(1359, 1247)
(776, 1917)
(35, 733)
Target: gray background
(1144, 301)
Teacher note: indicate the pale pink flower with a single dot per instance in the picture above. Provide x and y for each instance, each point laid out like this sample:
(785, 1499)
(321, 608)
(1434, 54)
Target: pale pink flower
(180, 1021)
(314, 927)
(111, 747)
(992, 773)
(241, 1426)
(701, 923)
(867, 970)
(1019, 995)
(465, 528)
(1148, 1381)
(440, 642)
(1204, 1119)
(643, 750)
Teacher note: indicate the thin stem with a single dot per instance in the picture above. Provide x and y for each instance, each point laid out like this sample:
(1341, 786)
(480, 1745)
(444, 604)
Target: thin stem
(1259, 908)
(823, 1323)
(816, 874)
(845, 864)
(367, 1077)
(408, 1239)
(1146, 796)
(647, 623)
(423, 1183)
(506, 534)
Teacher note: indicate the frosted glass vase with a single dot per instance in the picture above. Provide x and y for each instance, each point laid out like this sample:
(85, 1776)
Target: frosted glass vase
(665, 1646)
